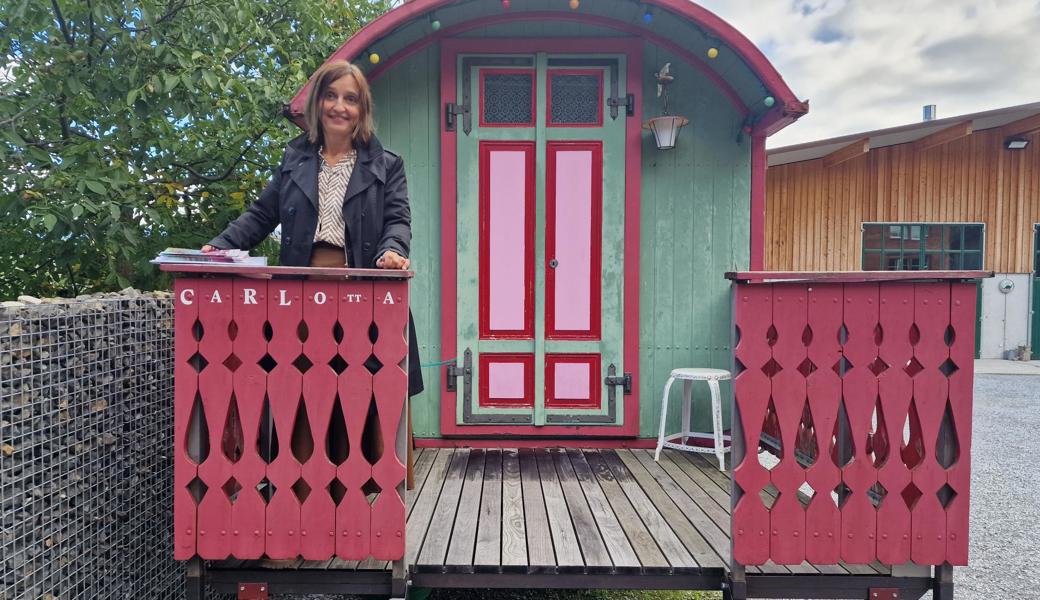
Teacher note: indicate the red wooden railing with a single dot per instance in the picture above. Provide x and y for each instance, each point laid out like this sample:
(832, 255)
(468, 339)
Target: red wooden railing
(860, 386)
(277, 385)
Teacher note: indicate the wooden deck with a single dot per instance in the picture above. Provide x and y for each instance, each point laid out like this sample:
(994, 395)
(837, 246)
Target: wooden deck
(565, 512)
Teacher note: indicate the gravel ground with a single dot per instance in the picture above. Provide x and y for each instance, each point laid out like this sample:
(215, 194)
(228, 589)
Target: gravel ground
(1005, 491)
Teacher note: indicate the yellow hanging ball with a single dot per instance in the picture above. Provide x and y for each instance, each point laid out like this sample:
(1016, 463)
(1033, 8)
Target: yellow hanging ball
(373, 58)
(574, 4)
(713, 52)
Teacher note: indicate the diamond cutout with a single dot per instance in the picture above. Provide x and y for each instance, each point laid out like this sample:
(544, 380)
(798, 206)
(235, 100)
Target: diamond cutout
(371, 489)
(231, 488)
(911, 494)
(232, 362)
(337, 490)
(771, 368)
(302, 489)
(738, 367)
(302, 363)
(948, 367)
(338, 364)
(198, 362)
(877, 367)
(842, 366)
(266, 489)
(198, 489)
(946, 494)
(877, 494)
(913, 367)
(769, 495)
(267, 363)
(373, 364)
(841, 494)
(807, 367)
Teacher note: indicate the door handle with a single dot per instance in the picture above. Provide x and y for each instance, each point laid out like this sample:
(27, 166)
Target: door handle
(554, 263)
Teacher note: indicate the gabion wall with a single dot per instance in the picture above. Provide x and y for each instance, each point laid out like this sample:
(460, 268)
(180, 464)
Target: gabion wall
(86, 392)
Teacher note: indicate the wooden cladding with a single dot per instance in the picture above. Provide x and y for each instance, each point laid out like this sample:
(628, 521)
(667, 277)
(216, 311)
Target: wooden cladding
(814, 214)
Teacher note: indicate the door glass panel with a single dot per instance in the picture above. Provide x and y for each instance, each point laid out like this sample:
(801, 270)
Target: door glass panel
(575, 97)
(506, 239)
(574, 224)
(507, 98)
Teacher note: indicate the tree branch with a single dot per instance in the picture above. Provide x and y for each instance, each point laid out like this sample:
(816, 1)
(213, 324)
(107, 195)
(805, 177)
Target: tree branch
(231, 169)
(62, 24)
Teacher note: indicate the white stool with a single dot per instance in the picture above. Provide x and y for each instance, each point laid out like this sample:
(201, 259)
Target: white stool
(712, 376)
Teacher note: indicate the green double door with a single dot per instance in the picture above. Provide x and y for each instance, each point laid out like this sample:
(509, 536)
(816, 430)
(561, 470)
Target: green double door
(540, 179)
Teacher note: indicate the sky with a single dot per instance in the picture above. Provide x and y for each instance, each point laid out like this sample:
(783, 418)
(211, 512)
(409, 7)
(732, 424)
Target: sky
(871, 64)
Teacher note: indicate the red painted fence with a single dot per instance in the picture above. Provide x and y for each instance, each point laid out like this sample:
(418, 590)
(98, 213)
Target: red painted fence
(280, 388)
(862, 392)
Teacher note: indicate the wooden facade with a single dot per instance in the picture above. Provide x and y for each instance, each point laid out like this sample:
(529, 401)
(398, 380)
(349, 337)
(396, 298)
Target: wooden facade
(815, 209)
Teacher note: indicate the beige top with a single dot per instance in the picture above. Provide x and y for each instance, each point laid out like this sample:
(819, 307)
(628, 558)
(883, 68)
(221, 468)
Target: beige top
(332, 187)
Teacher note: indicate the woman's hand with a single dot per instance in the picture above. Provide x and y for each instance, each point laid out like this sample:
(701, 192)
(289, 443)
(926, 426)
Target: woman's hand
(392, 260)
(208, 248)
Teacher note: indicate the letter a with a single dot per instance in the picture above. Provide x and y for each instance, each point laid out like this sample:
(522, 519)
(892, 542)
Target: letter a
(216, 297)
(389, 299)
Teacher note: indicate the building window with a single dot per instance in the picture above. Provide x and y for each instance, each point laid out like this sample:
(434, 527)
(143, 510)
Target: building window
(922, 246)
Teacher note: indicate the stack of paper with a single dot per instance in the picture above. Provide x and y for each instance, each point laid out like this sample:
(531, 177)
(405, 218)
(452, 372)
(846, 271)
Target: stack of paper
(187, 255)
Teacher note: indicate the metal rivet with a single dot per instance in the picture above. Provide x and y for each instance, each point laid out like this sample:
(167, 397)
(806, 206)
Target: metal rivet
(223, 532)
(235, 532)
(290, 532)
(379, 534)
(256, 532)
(850, 536)
(796, 534)
(359, 534)
(188, 531)
(345, 533)
(332, 533)
(202, 532)
(884, 536)
(398, 533)
(816, 534)
(918, 537)
(303, 532)
(953, 536)
(269, 532)
(740, 532)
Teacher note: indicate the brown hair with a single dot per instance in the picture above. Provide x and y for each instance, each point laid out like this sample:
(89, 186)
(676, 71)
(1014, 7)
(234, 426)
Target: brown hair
(321, 80)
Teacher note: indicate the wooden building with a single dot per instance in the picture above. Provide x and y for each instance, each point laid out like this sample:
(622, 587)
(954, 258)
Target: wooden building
(956, 193)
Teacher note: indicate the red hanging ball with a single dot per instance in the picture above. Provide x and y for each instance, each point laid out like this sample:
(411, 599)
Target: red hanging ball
(506, 3)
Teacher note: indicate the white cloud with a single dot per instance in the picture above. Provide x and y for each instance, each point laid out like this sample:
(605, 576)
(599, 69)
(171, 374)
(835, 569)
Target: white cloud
(866, 65)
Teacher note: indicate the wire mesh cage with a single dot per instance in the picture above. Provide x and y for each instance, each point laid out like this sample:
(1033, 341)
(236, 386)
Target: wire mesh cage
(86, 419)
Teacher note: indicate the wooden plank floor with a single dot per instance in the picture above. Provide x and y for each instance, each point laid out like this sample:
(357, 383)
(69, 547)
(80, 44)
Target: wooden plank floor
(566, 510)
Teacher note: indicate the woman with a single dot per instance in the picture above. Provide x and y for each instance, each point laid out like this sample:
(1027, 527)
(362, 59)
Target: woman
(341, 198)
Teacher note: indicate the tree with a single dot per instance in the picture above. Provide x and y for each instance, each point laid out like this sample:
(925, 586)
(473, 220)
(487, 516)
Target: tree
(127, 127)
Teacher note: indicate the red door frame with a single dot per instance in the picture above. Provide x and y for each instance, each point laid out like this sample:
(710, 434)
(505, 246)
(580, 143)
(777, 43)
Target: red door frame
(632, 48)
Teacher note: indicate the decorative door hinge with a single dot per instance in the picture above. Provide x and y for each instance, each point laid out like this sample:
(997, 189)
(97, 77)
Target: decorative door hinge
(451, 113)
(629, 102)
(465, 371)
(613, 379)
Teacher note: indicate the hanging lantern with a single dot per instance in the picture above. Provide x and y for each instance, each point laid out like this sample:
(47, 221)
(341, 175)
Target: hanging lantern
(666, 127)
(574, 4)
(666, 130)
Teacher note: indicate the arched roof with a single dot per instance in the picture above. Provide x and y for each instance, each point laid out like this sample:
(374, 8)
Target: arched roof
(742, 73)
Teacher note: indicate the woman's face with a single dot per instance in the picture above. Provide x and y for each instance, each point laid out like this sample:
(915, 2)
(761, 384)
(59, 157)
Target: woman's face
(340, 108)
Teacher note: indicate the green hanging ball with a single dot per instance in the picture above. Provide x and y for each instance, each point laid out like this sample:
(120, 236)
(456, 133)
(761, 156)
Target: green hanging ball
(435, 24)
(769, 101)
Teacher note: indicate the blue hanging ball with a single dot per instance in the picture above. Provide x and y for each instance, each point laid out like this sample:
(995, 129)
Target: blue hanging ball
(435, 24)
(648, 17)
(769, 101)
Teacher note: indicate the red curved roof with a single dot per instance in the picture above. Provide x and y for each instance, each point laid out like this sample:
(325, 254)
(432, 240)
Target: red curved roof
(787, 109)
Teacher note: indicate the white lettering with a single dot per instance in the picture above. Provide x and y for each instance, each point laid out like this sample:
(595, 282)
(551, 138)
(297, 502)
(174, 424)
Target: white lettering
(281, 299)
(389, 299)
(320, 298)
(216, 297)
(184, 296)
(249, 296)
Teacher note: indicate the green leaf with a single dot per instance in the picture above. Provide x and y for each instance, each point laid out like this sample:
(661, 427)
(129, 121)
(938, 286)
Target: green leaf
(114, 211)
(77, 211)
(97, 187)
(172, 79)
(131, 96)
(74, 85)
(49, 221)
(210, 79)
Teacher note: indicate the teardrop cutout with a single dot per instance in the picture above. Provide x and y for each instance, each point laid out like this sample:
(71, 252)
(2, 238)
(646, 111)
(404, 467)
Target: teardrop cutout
(947, 446)
(771, 440)
(232, 440)
(268, 438)
(879, 436)
(337, 445)
(302, 443)
(807, 336)
(807, 450)
(372, 436)
(915, 334)
(912, 449)
(843, 447)
(196, 440)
